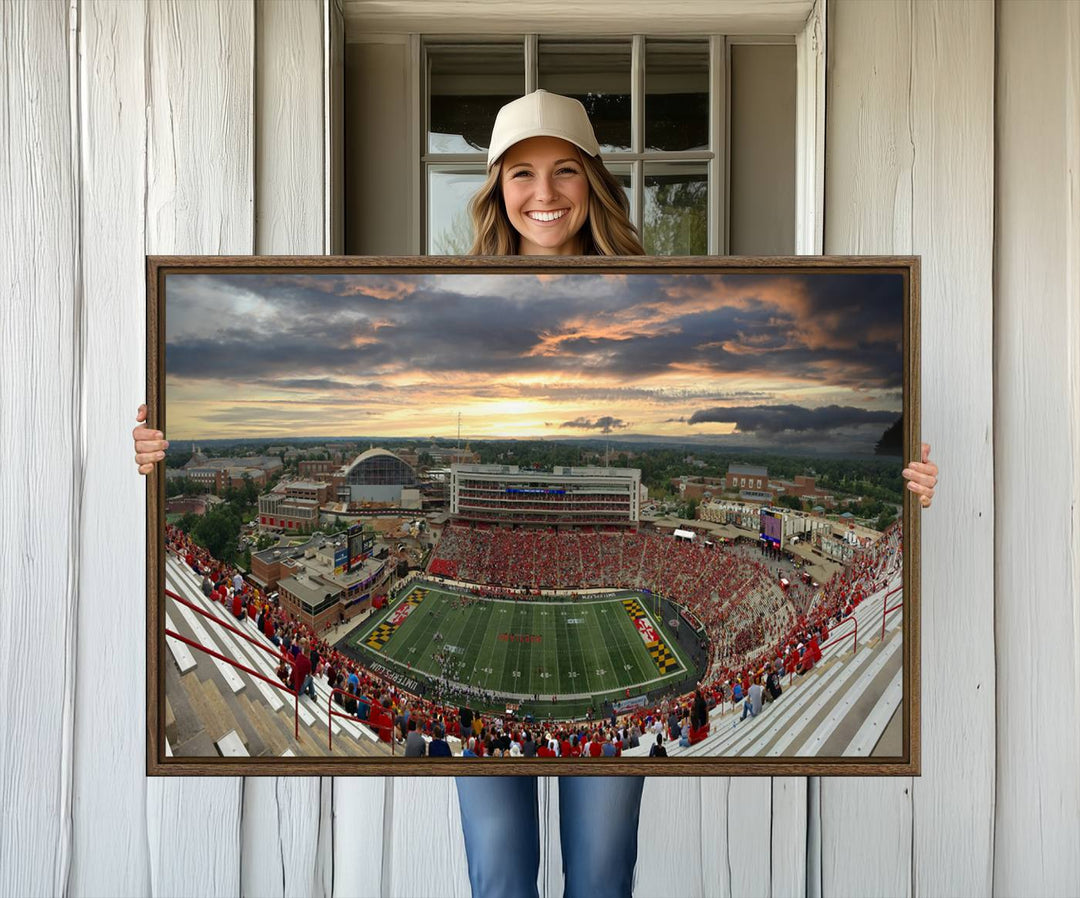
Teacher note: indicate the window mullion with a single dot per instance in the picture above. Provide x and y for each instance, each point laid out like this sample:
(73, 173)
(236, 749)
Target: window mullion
(420, 231)
(532, 63)
(718, 166)
(637, 129)
(724, 123)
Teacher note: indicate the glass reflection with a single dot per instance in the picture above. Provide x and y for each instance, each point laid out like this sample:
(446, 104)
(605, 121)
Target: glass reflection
(597, 74)
(467, 85)
(450, 231)
(676, 209)
(676, 95)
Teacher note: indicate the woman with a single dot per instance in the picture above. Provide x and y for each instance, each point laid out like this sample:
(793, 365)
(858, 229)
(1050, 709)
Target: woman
(547, 193)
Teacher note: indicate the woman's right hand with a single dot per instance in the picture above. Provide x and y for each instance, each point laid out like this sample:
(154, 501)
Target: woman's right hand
(150, 444)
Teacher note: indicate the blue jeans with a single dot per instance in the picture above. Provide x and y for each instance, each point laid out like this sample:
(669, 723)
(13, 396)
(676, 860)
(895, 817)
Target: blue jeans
(598, 824)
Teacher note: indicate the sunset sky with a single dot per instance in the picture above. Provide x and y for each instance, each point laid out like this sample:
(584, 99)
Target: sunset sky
(762, 360)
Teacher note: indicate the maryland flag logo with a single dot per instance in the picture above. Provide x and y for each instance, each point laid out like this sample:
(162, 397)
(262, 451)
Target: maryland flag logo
(382, 634)
(660, 653)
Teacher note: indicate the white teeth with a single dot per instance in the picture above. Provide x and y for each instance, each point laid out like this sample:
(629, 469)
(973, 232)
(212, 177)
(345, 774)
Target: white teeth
(546, 216)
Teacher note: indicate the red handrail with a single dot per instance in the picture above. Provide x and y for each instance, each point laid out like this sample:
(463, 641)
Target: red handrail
(885, 609)
(279, 655)
(854, 634)
(254, 673)
(331, 713)
(217, 620)
(854, 642)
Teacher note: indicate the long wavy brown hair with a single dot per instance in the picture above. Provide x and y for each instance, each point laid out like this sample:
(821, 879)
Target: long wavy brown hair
(607, 231)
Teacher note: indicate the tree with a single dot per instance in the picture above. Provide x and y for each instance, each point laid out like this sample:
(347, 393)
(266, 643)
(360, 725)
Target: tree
(217, 532)
(885, 519)
(676, 217)
(249, 492)
(177, 458)
(457, 238)
(188, 521)
(789, 502)
(892, 441)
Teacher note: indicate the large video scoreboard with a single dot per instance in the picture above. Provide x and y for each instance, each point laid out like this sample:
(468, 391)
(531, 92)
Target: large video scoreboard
(361, 543)
(772, 527)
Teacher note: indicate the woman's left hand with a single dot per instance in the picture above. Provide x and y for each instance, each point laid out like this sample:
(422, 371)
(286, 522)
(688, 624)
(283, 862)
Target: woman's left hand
(922, 477)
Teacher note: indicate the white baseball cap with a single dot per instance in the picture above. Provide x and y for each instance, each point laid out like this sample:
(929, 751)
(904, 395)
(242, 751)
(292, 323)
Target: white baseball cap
(541, 114)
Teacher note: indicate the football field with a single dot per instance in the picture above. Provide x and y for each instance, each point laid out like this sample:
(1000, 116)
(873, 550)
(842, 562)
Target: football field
(549, 648)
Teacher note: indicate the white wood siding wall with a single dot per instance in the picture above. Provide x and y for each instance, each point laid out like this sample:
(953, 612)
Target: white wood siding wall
(910, 155)
(1037, 450)
(185, 127)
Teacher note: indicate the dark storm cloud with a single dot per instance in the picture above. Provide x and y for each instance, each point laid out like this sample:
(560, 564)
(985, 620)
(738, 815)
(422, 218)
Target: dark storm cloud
(660, 396)
(758, 339)
(305, 331)
(774, 419)
(837, 330)
(605, 424)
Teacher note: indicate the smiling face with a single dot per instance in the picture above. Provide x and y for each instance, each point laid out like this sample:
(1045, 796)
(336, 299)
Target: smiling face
(546, 195)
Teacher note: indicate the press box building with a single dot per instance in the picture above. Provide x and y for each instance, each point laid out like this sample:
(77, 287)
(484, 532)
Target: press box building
(565, 497)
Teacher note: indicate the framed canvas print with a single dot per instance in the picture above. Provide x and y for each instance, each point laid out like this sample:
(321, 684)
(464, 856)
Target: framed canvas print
(533, 516)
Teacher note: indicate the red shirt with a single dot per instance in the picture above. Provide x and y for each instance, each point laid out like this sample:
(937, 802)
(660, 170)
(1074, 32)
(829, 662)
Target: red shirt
(237, 605)
(300, 670)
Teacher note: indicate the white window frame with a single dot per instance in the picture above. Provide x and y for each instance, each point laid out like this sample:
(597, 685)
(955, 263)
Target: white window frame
(810, 47)
(715, 161)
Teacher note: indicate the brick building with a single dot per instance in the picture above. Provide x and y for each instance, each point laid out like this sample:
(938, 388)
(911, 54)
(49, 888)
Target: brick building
(318, 470)
(312, 582)
(294, 505)
(742, 477)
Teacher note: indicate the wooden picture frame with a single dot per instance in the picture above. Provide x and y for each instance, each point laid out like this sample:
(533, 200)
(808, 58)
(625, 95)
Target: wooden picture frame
(803, 361)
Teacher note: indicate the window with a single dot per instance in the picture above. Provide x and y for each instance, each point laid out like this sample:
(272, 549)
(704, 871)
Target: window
(700, 129)
(660, 108)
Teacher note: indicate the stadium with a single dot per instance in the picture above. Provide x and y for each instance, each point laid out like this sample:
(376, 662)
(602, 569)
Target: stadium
(544, 605)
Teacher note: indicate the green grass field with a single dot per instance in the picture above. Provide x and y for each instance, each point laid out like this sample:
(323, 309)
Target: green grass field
(587, 648)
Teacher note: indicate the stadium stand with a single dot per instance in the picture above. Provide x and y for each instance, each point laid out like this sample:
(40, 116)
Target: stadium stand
(749, 618)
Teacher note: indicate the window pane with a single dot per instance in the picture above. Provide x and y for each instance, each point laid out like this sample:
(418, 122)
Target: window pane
(676, 95)
(467, 84)
(676, 209)
(449, 191)
(597, 74)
